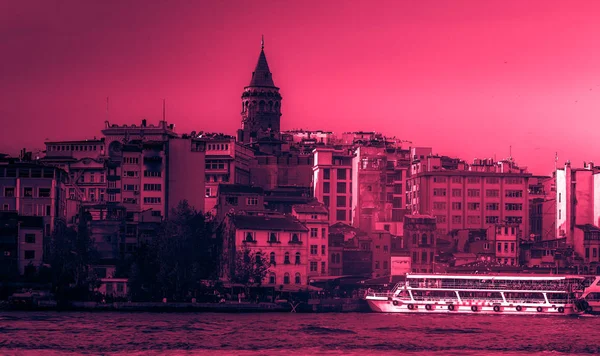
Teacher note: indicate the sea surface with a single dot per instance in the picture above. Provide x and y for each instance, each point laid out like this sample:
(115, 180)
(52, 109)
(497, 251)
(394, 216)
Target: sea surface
(113, 333)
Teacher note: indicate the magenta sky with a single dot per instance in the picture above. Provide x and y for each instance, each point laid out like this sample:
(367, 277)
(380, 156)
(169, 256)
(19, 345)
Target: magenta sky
(469, 78)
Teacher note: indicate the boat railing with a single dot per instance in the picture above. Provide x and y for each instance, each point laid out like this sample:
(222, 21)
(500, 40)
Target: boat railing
(494, 286)
(379, 294)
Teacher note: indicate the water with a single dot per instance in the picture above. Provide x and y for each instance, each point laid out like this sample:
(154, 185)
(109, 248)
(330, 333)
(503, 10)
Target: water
(74, 333)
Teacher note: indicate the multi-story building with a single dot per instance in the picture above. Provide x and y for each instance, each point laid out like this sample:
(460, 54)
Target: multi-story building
(227, 162)
(506, 242)
(186, 167)
(31, 243)
(379, 176)
(332, 182)
(33, 189)
(282, 239)
(420, 241)
(9, 245)
(542, 208)
(306, 137)
(236, 198)
(84, 163)
(463, 196)
(137, 166)
(382, 252)
(316, 219)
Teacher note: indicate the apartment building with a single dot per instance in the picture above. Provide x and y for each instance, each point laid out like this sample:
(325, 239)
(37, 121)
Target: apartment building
(462, 196)
(332, 182)
(420, 241)
(316, 219)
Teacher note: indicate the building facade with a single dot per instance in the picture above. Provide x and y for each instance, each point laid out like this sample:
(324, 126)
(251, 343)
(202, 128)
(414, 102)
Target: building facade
(316, 219)
(463, 196)
(332, 183)
(420, 241)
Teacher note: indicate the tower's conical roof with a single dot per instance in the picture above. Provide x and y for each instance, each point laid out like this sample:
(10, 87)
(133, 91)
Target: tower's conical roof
(262, 77)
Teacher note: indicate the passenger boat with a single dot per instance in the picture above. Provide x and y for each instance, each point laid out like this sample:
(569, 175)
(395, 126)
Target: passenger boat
(591, 295)
(483, 294)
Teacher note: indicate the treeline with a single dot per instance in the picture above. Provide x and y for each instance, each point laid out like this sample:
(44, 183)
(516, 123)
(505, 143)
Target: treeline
(172, 264)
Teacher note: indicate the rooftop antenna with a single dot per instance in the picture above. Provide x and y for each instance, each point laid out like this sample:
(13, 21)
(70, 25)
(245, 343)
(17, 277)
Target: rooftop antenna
(107, 108)
(262, 42)
(555, 160)
(510, 152)
(164, 110)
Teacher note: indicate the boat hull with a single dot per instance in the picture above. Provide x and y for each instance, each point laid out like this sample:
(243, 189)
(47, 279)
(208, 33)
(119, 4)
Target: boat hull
(387, 306)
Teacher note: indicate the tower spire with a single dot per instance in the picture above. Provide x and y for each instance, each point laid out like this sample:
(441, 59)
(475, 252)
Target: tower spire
(262, 42)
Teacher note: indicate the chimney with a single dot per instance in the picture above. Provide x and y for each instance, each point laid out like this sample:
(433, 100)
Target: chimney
(144, 123)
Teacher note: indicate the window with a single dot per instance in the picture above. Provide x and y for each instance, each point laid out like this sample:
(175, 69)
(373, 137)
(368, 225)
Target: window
(492, 180)
(512, 247)
(474, 219)
(439, 179)
(130, 187)
(341, 187)
(273, 237)
(492, 206)
(314, 249)
(29, 254)
(415, 257)
(492, 219)
(514, 219)
(514, 180)
(295, 238)
(587, 252)
(314, 266)
(424, 257)
(456, 179)
(326, 187)
(44, 193)
(473, 206)
(506, 247)
(30, 238)
(340, 214)
(440, 218)
(152, 200)
(439, 205)
(473, 180)
(473, 193)
(324, 233)
(152, 187)
(9, 192)
(323, 268)
(323, 248)
(439, 192)
(414, 239)
(514, 193)
(326, 173)
(286, 258)
(250, 237)
(326, 200)
(131, 173)
(341, 174)
(28, 192)
(272, 279)
(207, 192)
(376, 264)
(297, 278)
(424, 239)
(385, 264)
(286, 278)
(499, 247)
(341, 201)
(456, 193)
(130, 160)
(457, 206)
(252, 201)
(150, 174)
(486, 246)
(456, 219)
(513, 207)
(297, 258)
(232, 200)
(492, 193)
(5, 207)
(314, 232)
(272, 259)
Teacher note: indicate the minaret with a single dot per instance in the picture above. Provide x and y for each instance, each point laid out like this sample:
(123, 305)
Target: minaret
(261, 103)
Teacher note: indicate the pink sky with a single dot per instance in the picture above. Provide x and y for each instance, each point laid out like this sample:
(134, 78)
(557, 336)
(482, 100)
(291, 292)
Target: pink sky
(468, 78)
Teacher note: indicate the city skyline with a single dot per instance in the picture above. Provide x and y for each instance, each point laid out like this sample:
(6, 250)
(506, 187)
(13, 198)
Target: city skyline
(386, 74)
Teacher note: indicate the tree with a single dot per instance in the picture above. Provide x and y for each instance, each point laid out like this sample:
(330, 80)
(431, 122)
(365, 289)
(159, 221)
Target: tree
(71, 256)
(175, 262)
(250, 268)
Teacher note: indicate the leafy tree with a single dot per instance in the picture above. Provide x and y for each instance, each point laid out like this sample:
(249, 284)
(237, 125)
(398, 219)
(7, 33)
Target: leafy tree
(250, 268)
(175, 262)
(71, 256)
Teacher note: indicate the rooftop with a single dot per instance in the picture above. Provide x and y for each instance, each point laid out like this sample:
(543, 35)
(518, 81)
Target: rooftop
(271, 223)
(310, 209)
(239, 188)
